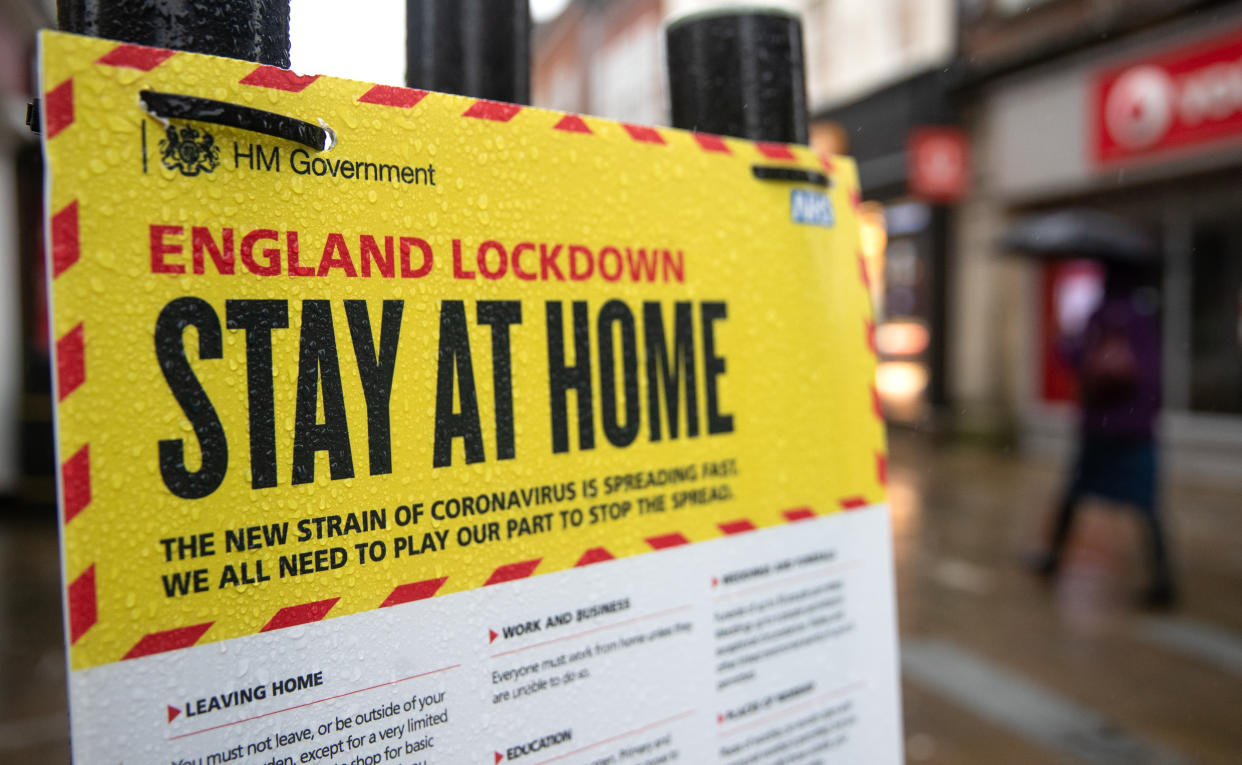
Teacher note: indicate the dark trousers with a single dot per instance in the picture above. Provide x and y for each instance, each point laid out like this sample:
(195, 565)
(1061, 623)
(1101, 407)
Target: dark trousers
(1158, 556)
(1122, 469)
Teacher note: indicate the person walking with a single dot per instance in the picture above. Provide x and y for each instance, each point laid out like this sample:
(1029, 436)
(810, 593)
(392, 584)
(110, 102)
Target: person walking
(1117, 357)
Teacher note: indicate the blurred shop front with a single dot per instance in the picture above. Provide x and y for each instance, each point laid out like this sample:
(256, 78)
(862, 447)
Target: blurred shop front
(1147, 126)
(912, 165)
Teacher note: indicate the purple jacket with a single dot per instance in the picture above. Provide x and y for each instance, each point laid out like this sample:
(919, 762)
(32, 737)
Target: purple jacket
(1125, 316)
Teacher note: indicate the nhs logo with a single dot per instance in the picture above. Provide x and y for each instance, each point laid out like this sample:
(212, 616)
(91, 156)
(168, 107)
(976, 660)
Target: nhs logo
(811, 207)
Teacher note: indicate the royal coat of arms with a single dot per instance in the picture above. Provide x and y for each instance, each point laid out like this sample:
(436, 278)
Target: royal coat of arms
(189, 150)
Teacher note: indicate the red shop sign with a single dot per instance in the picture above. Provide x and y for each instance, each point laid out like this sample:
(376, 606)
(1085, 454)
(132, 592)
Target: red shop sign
(1182, 98)
(939, 164)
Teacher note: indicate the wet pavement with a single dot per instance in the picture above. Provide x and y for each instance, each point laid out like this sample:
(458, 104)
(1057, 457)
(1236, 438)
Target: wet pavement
(33, 721)
(1001, 667)
(998, 666)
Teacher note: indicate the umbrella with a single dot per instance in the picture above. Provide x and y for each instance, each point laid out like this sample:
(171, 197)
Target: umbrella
(1080, 233)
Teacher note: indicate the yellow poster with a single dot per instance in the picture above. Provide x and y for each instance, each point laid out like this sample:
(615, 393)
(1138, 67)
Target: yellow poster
(466, 344)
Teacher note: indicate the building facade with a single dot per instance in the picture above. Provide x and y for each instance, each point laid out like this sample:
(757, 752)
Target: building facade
(603, 58)
(1134, 110)
(882, 74)
(25, 385)
(606, 57)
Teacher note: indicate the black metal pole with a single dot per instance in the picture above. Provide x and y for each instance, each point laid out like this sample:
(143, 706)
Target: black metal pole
(252, 30)
(478, 48)
(739, 73)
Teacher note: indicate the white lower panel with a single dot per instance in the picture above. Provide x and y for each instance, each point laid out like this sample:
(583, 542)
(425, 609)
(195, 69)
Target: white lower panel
(769, 646)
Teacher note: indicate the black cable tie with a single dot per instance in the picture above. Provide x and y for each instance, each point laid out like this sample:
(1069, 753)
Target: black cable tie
(800, 175)
(32, 115)
(165, 106)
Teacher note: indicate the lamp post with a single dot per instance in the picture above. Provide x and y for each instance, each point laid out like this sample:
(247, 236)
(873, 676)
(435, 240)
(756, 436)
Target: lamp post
(478, 48)
(252, 30)
(739, 73)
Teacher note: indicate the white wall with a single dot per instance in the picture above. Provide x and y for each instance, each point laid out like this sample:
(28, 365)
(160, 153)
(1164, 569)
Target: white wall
(627, 75)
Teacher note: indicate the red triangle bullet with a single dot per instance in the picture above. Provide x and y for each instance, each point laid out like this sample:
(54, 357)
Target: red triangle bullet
(172, 713)
(491, 638)
(499, 756)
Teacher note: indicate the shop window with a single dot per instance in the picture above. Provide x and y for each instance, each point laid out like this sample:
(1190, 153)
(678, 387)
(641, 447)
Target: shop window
(1216, 318)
